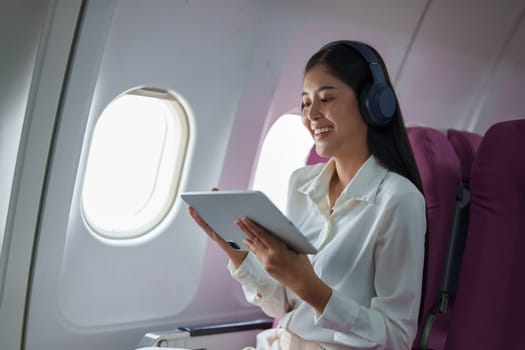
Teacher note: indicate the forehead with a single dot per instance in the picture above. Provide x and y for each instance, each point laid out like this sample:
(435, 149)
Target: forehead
(319, 78)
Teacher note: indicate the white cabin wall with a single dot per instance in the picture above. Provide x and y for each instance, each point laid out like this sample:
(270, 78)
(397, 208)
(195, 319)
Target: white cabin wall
(460, 51)
(52, 39)
(195, 50)
(21, 24)
(503, 94)
(272, 34)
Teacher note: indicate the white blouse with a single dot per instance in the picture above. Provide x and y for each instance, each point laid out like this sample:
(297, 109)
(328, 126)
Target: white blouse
(370, 252)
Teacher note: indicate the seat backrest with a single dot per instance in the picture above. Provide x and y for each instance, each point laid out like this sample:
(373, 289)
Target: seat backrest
(490, 303)
(465, 145)
(440, 175)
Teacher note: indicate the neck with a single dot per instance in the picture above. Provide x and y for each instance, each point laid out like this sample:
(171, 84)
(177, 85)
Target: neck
(345, 169)
(343, 174)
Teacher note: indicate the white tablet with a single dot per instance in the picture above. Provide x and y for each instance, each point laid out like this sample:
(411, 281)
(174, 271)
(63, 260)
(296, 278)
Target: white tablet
(220, 209)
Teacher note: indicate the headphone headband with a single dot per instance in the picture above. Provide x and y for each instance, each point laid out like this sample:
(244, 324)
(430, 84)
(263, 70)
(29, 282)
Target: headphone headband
(365, 51)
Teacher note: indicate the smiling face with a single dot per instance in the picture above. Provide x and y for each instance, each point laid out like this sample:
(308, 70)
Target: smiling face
(330, 111)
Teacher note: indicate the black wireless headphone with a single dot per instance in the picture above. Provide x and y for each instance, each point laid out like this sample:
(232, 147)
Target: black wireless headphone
(377, 100)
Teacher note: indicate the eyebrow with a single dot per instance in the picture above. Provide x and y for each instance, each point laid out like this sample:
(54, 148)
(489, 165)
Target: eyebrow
(326, 87)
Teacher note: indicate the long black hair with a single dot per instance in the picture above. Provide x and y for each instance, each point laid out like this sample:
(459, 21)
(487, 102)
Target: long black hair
(389, 144)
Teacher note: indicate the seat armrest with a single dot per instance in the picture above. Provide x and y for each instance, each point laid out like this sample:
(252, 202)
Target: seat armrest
(180, 336)
(196, 331)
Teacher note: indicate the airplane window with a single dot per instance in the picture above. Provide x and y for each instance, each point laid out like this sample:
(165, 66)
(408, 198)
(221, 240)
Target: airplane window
(134, 163)
(285, 148)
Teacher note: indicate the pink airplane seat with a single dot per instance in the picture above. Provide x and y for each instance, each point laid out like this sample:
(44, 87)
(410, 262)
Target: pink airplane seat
(465, 145)
(434, 332)
(490, 301)
(314, 158)
(440, 173)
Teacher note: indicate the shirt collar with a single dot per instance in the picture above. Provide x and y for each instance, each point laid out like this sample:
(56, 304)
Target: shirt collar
(364, 186)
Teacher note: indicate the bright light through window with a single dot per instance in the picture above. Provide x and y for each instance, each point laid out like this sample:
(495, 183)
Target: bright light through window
(285, 148)
(134, 164)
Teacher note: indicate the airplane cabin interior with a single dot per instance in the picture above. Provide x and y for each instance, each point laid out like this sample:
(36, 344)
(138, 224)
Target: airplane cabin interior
(110, 109)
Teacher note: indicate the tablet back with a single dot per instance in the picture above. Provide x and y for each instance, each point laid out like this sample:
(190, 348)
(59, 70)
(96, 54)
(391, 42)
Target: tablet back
(220, 209)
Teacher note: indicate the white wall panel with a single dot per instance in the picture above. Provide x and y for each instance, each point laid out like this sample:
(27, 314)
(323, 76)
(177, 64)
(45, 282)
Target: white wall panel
(503, 96)
(93, 293)
(19, 40)
(452, 60)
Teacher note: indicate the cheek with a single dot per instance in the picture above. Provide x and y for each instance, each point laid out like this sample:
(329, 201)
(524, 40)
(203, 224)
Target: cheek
(354, 115)
(306, 122)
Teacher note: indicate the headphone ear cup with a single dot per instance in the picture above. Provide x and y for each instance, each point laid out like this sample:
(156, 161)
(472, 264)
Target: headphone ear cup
(379, 105)
(363, 105)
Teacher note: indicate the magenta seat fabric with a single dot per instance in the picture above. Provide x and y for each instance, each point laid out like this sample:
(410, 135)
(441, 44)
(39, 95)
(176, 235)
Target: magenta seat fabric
(490, 301)
(440, 173)
(465, 145)
(314, 158)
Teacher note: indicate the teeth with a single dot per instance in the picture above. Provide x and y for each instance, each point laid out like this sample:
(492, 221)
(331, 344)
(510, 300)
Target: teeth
(322, 130)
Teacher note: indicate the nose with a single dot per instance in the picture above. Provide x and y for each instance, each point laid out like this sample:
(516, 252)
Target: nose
(314, 112)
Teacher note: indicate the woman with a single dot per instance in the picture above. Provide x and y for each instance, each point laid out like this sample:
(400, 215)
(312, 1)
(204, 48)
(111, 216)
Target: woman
(363, 210)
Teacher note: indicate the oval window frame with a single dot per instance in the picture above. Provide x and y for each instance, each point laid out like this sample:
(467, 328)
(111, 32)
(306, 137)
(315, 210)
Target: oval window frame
(178, 117)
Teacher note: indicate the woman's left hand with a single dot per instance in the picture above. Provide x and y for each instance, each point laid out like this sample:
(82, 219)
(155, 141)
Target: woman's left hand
(288, 267)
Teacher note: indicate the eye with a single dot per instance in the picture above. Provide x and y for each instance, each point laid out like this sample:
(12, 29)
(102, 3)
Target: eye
(305, 104)
(326, 99)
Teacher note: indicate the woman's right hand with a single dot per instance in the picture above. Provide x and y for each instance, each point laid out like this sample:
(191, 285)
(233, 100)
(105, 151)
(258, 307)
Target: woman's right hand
(236, 256)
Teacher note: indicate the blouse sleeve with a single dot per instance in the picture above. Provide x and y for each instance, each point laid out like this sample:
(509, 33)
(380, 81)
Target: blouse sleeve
(390, 322)
(259, 287)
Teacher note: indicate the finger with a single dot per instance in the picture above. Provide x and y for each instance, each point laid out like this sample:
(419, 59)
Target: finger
(236, 256)
(203, 224)
(200, 221)
(250, 246)
(244, 229)
(262, 236)
(257, 234)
